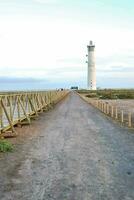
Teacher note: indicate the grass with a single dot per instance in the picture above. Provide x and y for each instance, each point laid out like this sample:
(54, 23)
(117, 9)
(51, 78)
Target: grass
(5, 146)
(109, 93)
(116, 94)
(91, 95)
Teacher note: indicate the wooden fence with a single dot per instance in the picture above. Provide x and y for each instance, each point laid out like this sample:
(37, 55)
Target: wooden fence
(18, 108)
(124, 117)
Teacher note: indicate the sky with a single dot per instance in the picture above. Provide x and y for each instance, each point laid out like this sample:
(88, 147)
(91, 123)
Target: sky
(43, 43)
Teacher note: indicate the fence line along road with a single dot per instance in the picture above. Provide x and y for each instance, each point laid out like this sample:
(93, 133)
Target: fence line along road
(125, 118)
(18, 108)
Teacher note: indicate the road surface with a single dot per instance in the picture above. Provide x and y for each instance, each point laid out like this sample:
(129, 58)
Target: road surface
(73, 152)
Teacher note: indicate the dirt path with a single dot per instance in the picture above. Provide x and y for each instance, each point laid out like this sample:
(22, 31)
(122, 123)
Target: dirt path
(73, 153)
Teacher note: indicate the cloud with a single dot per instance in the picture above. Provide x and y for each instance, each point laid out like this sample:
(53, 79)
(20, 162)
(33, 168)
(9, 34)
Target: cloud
(74, 60)
(121, 69)
(14, 83)
(116, 82)
(51, 44)
(46, 1)
(16, 80)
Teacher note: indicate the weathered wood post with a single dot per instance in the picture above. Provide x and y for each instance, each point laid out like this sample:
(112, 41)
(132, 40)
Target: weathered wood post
(122, 116)
(104, 107)
(18, 108)
(112, 111)
(107, 109)
(129, 119)
(1, 116)
(97, 104)
(7, 115)
(101, 106)
(28, 104)
(116, 113)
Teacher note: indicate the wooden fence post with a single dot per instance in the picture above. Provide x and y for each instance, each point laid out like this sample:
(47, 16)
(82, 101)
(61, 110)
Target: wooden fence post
(1, 116)
(107, 109)
(129, 119)
(112, 111)
(104, 107)
(122, 116)
(116, 113)
(101, 106)
(8, 117)
(98, 105)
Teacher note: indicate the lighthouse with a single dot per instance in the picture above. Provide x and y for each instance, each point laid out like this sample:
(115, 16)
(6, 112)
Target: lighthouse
(91, 74)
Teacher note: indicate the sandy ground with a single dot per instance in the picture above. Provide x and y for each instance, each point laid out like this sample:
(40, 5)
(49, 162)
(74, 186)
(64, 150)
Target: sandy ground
(123, 104)
(70, 153)
(127, 105)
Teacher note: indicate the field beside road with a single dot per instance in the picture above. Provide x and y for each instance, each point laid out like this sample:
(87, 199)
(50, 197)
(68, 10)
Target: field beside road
(118, 104)
(109, 93)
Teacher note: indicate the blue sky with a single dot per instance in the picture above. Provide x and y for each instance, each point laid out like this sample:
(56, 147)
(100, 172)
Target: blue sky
(43, 43)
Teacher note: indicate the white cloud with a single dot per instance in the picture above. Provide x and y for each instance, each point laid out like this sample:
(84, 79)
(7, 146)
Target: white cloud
(46, 1)
(55, 49)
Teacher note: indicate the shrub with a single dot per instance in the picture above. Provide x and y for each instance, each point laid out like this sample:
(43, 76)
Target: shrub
(108, 96)
(5, 146)
(91, 95)
(126, 96)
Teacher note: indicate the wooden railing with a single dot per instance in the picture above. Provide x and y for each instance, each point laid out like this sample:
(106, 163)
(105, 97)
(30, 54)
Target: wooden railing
(124, 117)
(18, 108)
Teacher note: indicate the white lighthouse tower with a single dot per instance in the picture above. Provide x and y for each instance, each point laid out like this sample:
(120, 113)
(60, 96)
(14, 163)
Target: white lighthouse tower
(91, 76)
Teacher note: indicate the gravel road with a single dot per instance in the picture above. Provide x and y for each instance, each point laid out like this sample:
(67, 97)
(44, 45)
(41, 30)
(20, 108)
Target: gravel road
(73, 152)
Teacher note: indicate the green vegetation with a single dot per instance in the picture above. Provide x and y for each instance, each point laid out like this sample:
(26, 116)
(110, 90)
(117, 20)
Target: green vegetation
(91, 95)
(109, 93)
(5, 146)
